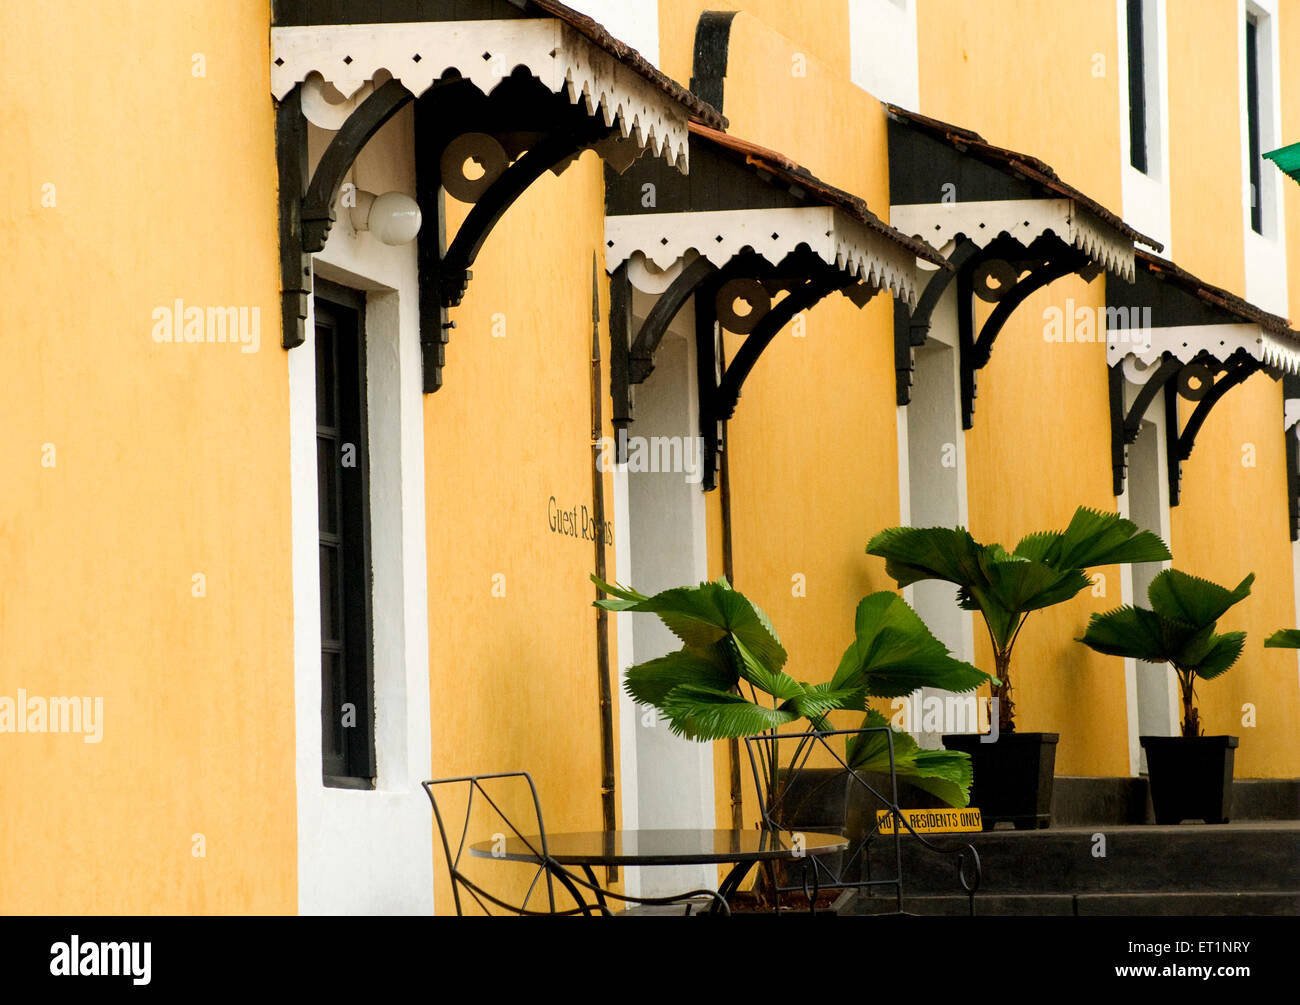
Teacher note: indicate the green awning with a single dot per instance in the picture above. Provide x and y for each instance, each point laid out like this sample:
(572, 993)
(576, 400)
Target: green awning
(1288, 159)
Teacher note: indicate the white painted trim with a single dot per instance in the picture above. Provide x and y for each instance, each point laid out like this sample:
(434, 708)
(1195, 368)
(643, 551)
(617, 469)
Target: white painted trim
(1155, 418)
(883, 48)
(368, 852)
(1146, 199)
(636, 24)
(1147, 345)
(628, 712)
(675, 785)
(938, 223)
(1130, 664)
(720, 235)
(904, 474)
(1295, 584)
(958, 634)
(419, 53)
(1265, 254)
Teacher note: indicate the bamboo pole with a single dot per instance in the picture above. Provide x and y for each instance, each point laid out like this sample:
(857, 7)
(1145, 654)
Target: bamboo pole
(729, 570)
(602, 616)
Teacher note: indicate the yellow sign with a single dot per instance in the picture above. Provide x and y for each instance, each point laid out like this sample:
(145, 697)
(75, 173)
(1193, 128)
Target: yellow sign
(933, 821)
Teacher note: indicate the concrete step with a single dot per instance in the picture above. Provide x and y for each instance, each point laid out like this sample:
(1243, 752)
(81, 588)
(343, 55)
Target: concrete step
(1080, 801)
(1266, 799)
(1232, 858)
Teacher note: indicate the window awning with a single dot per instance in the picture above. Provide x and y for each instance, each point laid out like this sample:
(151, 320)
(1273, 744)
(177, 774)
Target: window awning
(747, 225)
(522, 88)
(1169, 331)
(1007, 223)
(570, 53)
(750, 198)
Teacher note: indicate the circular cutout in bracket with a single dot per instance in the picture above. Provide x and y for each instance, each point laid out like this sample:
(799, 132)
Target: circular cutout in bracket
(752, 292)
(993, 278)
(1195, 381)
(484, 151)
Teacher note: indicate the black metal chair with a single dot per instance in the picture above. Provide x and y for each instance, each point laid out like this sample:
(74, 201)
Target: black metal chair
(795, 796)
(546, 872)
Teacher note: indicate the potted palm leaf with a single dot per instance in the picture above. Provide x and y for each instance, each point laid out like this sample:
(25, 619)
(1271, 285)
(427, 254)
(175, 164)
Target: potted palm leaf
(1283, 638)
(728, 679)
(1191, 774)
(1013, 774)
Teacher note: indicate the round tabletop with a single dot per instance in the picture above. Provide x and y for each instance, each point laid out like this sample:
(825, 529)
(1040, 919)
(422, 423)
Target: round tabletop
(665, 847)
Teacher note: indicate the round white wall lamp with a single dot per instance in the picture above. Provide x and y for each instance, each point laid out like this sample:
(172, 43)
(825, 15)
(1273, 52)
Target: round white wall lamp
(393, 218)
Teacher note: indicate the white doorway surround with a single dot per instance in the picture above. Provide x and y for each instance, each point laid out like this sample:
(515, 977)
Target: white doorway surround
(667, 780)
(364, 852)
(933, 463)
(1152, 693)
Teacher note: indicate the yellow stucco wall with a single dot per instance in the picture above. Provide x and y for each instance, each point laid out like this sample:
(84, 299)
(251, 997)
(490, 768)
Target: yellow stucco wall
(1289, 42)
(1205, 143)
(1233, 517)
(821, 31)
(1233, 520)
(1028, 468)
(814, 443)
(963, 57)
(170, 460)
(1027, 76)
(513, 678)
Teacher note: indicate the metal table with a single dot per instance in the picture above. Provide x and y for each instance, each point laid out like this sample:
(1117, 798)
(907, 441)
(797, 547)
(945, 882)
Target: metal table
(742, 849)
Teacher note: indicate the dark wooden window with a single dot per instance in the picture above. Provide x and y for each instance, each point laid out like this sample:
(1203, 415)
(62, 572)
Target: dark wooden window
(1252, 123)
(343, 490)
(1137, 86)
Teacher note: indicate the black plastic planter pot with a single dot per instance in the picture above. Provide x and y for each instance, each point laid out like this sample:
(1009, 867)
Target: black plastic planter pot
(1013, 776)
(1191, 777)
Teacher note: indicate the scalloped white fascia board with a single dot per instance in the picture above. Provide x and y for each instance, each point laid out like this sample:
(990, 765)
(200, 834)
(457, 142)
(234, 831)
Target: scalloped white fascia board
(720, 235)
(1186, 342)
(485, 52)
(938, 223)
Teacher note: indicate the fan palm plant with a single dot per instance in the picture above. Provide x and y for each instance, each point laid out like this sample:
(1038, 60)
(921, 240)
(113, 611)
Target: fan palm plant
(1283, 638)
(730, 646)
(1178, 630)
(1044, 569)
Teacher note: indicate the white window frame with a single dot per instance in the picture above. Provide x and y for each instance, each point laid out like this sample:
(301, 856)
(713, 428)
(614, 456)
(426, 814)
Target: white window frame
(1265, 254)
(1146, 194)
